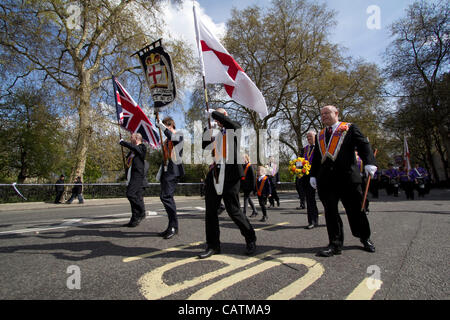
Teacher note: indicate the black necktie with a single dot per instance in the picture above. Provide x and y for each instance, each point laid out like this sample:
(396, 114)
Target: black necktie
(328, 134)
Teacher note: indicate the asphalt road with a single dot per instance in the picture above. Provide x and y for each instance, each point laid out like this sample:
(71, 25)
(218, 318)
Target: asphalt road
(83, 252)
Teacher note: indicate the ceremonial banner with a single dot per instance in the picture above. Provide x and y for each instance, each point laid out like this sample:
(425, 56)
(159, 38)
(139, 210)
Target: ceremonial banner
(218, 66)
(131, 117)
(159, 74)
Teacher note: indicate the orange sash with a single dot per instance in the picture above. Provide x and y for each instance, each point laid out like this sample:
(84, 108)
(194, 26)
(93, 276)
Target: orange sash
(168, 150)
(224, 149)
(334, 145)
(245, 171)
(261, 186)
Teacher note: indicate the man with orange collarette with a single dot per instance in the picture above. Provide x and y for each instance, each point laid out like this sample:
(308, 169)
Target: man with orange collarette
(264, 190)
(171, 171)
(335, 175)
(223, 182)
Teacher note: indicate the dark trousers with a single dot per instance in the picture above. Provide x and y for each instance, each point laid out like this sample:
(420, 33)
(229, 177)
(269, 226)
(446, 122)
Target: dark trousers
(350, 194)
(408, 186)
(311, 205)
(262, 203)
(58, 197)
(76, 195)
(230, 197)
(248, 200)
(168, 185)
(300, 191)
(135, 197)
(274, 196)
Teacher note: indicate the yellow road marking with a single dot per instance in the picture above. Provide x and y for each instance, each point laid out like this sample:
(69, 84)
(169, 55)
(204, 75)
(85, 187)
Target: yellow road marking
(155, 253)
(365, 290)
(193, 244)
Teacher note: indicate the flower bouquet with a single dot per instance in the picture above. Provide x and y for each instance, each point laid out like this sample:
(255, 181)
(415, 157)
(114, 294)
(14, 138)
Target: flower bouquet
(299, 167)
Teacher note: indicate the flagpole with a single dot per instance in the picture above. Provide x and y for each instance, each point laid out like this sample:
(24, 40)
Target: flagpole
(216, 175)
(205, 90)
(161, 139)
(118, 126)
(367, 186)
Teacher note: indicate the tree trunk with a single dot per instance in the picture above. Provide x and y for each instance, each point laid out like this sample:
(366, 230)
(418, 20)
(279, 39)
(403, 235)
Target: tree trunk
(84, 134)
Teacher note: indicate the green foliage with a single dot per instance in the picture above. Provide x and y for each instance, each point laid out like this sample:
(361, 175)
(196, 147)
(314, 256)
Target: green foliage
(30, 134)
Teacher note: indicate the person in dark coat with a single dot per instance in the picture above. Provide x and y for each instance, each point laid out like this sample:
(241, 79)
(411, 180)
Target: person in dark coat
(171, 171)
(59, 188)
(135, 178)
(77, 191)
(310, 192)
(225, 174)
(248, 185)
(335, 174)
(264, 190)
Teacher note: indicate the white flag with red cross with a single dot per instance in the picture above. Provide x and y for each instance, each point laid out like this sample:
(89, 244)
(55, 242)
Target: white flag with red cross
(218, 66)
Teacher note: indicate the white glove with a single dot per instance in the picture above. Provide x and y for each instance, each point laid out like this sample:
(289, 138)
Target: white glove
(313, 182)
(370, 170)
(160, 125)
(209, 111)
(120, 141)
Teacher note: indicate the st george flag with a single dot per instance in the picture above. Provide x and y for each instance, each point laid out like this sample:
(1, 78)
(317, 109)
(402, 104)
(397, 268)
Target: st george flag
(218, 66)
(131, 117)
(406, 162)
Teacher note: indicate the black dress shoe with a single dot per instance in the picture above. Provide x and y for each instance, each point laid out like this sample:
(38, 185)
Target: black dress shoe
(208, 253)
(263, 219)
(171, 232)
(329, 252)
(132, 224)
(368, 245)
(251, 248)
(163, 234)
(254, 214)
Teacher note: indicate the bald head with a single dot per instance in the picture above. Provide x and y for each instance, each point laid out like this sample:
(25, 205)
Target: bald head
(329, 115)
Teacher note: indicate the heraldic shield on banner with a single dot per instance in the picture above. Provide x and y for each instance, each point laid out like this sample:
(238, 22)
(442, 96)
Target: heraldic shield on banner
(158, 71)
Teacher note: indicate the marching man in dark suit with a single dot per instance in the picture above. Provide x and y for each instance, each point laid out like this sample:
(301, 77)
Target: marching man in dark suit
(310, 192)
(171, 170)
(335, 175)
(135, 178)
(231, 178)
(248, 185)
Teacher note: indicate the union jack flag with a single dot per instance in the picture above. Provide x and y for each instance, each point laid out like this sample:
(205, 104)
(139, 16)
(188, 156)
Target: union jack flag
(132, 118)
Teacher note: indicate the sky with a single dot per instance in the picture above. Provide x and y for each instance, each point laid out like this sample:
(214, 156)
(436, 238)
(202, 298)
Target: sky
(362, 29)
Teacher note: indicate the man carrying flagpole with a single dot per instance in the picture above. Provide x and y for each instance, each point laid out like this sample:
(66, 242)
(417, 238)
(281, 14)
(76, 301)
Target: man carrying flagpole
(223, 179)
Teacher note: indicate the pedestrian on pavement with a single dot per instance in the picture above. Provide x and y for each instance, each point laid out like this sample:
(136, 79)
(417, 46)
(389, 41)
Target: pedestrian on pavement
(59, 188)
(77, 191)
(231, 178)
(336, 176)
(135, 160)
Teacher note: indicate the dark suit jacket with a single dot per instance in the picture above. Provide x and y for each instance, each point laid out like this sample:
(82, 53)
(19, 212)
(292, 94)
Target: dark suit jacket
(267, 189)
(175, 170)
(344, 167)
(233, 171)
(248, 184)
(138, 164)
